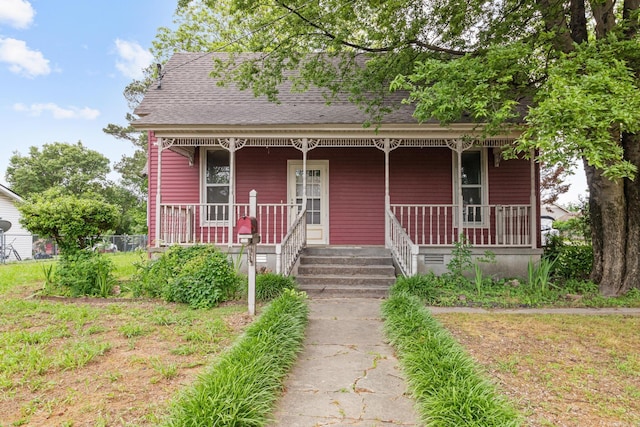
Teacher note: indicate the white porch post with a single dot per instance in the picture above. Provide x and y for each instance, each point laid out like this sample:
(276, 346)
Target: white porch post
(459, 190)
(387, 195)
(232, 185)
(158, 192)
(251, 257)
(305, 148)
(387, 145)
(534, 203)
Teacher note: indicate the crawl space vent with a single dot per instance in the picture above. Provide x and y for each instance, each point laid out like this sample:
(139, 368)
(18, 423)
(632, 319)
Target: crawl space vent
(434, 259)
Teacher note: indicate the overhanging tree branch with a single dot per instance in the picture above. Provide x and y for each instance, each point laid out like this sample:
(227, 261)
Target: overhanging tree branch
(331, 36)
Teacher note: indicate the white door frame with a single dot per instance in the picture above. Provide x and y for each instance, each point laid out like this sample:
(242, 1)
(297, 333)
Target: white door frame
(317, 234)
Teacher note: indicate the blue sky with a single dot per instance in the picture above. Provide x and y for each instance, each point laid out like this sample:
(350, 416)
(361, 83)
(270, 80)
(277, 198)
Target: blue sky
(64, 65)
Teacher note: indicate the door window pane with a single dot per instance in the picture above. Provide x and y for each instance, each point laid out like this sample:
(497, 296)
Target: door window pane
(314, 192)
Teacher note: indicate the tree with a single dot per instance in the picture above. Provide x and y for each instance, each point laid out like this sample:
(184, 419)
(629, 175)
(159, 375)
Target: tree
(72, 166)
(73, 169)
(74, 222)
(568, 69)
(552, 183)
(131, 195)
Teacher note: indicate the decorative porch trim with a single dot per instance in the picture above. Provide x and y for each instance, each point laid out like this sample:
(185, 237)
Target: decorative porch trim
(331, 142)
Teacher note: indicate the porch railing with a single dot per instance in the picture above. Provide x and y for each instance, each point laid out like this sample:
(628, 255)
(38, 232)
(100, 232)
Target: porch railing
(404, 251)
(288, 251)
(483, 225)
(209, 223)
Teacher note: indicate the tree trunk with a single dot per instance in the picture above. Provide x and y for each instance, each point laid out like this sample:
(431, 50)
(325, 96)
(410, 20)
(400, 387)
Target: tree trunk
(631, 145)
(608, 209)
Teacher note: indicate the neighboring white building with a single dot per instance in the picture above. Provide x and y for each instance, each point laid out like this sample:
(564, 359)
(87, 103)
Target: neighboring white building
(17, 236)
(550, 213)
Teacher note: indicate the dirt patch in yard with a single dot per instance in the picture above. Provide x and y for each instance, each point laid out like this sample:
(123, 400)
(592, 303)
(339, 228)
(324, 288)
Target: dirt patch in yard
(559, 370)
(151, 351)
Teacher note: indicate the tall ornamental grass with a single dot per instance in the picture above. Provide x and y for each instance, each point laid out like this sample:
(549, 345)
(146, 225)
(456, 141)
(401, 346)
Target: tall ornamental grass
(448, 387)
(243, 385)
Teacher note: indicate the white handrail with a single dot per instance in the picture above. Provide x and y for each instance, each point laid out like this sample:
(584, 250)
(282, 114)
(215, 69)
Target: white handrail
(288, 251)
(404, 251)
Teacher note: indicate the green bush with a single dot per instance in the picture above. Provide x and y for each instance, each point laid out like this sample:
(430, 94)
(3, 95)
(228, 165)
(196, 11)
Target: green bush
(243, 385)
(85, 273)
(427, 287)
(271, 285)
(572, 261)
(199, 275)
(74, 222)
(204, 281)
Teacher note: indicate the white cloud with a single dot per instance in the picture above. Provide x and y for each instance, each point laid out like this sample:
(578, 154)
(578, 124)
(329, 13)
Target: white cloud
(21, 59)
(17, 13)
(58, 112)
(133, 58)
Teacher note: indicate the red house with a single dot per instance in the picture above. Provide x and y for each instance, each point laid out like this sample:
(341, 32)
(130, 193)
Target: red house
(322, 178)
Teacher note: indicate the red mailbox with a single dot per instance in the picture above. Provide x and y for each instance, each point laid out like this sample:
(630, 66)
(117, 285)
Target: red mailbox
(248, 230)
(247, 225)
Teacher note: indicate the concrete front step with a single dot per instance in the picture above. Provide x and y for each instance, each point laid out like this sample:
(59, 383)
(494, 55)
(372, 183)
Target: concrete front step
(329, 291)
(348, 260)
(343, 271)
(344, 251)
(346, 270)
(337, 280)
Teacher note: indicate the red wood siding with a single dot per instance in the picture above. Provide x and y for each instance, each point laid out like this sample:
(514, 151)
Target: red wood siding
(356, 195)
(420, 176)
(510, 182)
(180, 182)
(263, 170)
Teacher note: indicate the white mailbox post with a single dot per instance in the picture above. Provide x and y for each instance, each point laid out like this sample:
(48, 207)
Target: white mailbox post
(248, 236)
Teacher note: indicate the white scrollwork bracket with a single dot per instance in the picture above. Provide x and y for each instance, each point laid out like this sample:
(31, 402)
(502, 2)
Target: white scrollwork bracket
(232, 143)
(459, 145)
(305, 144)
(387, 144)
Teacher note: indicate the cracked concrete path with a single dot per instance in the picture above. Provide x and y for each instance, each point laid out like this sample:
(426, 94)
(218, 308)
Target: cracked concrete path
(346, 375)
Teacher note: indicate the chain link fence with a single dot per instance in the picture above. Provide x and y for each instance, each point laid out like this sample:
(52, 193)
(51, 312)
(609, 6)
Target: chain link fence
(47, 248)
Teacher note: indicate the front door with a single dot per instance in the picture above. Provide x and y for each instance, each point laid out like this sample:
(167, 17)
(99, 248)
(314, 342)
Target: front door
(317, 197)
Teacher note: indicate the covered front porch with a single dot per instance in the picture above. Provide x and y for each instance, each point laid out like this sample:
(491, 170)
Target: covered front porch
(418, 234)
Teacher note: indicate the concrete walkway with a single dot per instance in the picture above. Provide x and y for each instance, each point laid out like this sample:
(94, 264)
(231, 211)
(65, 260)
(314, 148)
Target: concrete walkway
(346, 375)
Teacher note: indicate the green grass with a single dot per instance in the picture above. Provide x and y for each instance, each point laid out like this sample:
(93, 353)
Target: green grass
(242, 386)
(448, 387)
(33, 272)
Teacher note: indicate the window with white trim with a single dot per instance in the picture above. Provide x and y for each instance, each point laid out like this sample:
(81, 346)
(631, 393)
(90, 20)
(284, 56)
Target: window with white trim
(473, 176)
(216, 185)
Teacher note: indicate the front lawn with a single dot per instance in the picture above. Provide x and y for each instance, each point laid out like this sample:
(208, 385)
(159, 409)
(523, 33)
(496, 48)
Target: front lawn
(100, 361)
(122, 360)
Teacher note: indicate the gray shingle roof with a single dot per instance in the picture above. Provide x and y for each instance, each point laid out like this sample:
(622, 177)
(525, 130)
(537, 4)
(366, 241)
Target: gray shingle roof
(190, 97)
